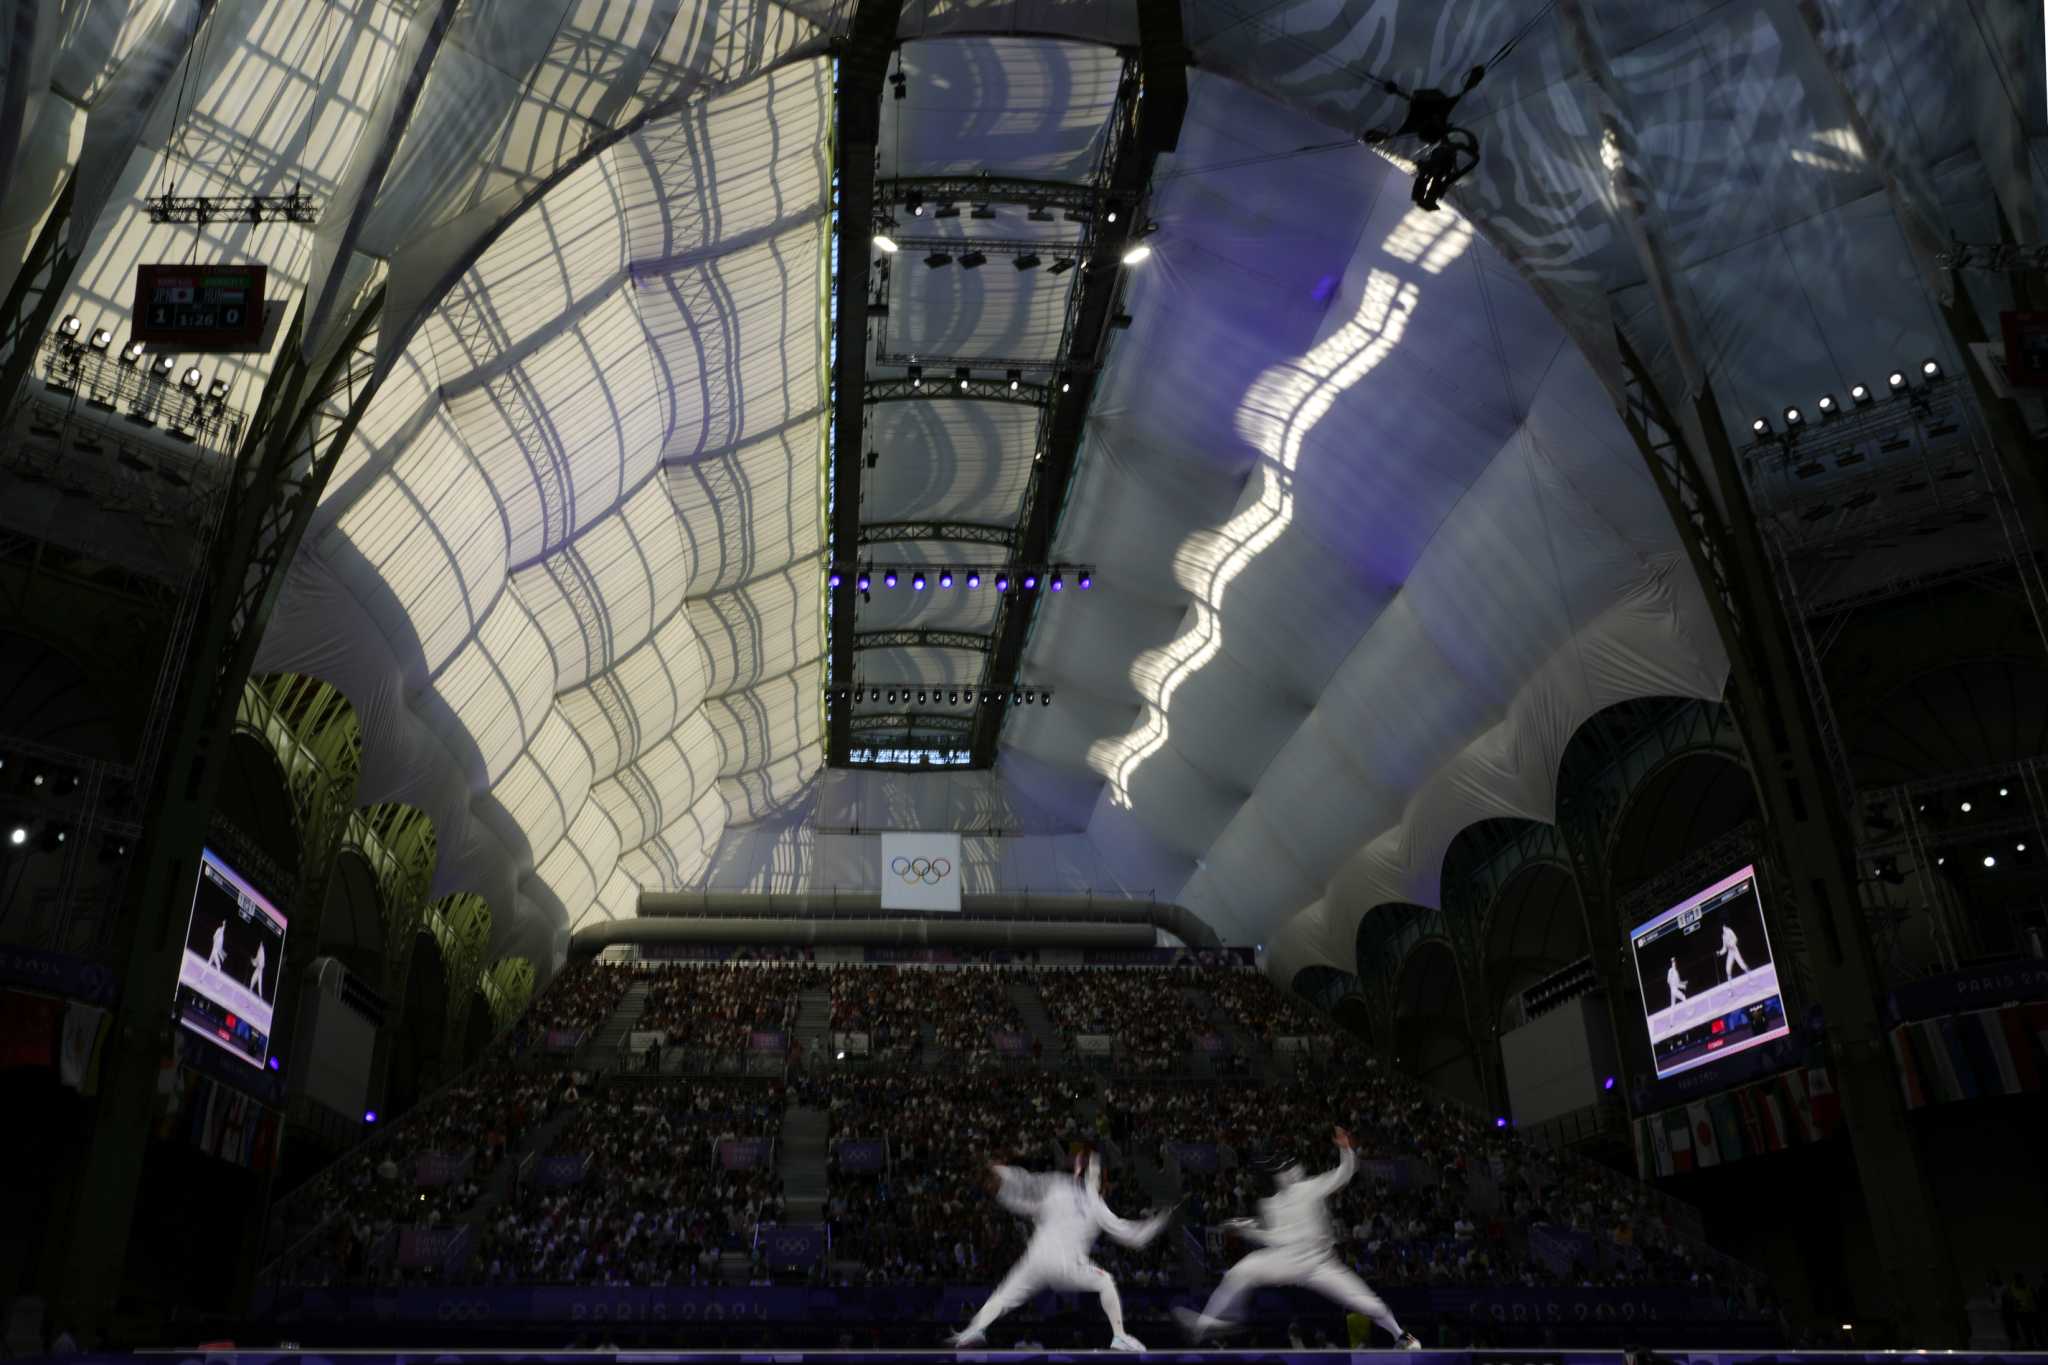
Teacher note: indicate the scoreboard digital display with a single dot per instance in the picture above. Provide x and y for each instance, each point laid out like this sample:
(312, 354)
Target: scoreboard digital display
(199, 307)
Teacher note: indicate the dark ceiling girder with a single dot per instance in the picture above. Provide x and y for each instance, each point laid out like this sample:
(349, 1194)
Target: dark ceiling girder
(857, 124)
(906, 722)
(962, 532)
(1150, 125)
(988, 189)
(939, 386)
(923, 639)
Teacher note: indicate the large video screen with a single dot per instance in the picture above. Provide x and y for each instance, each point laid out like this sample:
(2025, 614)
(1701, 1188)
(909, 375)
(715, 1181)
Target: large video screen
(1710, 986)
(234, 951)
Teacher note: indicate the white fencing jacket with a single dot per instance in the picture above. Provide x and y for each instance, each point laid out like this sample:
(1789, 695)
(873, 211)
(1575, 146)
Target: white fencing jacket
(1295, 1219)
(1069, 1213)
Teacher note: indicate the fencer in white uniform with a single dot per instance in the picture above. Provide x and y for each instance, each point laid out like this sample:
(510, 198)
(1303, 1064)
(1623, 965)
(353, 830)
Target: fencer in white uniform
(1296, 1247)
(218, 957)
(256, 971)
(1069, 1213)
(1674, 983)
(1731, 954)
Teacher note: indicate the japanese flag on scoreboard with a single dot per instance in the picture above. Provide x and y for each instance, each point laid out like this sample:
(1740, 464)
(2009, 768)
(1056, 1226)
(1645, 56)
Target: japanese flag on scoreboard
(920, 872)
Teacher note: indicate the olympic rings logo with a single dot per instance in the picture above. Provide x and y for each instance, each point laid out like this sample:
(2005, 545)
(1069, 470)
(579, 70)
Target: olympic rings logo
(930, 871)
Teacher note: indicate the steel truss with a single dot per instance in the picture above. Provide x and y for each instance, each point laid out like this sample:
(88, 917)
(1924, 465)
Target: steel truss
(923, 639)
(941, 387)
(941, 190)
(962, 532)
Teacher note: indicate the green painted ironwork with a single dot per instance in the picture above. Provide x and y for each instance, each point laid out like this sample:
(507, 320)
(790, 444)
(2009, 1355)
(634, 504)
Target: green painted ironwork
(461, 924)
(507, 986)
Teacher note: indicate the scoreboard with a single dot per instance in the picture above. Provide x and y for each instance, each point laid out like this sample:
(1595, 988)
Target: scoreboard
(199, 307)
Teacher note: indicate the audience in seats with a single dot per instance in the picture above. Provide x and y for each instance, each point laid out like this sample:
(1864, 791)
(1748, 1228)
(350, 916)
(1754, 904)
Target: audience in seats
(581, 997)
(1249, 1001)
(1146, 1009)
(962, 1008)
(719, 1006)
(654, 1205)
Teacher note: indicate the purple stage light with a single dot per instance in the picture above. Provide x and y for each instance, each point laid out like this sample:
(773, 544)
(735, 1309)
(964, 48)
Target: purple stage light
(1030, 581)
(1002, 582)
(1500, 1123)
(1607, 1084)
(863, 582)
(889, 579)
(917, 582)
(274, 1065)
(1056, 585)
(973, 578)
(1087, 582)
(369, 1116)
(834, 579)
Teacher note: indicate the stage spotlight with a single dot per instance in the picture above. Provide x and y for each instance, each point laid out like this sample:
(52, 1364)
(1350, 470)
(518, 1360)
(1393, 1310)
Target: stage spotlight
(973, 579)
(1064, 386)
(2019, 848)
(953, 697)
(1016, 698)
(1030, 581)
(131, 353)
(945, 578)
(1002, 582)
(939, 258)
(1087, 581)
(276, 1065)
(1760, 426)
(1137, 255)
(1109, 215)
(914, 200)
(1966, 808)
(886, 244)
(1793, 417)
(1859, 394)
(217, 390)
(1027, 261)
(101, 339)
(163, 367)
(2001, 791)
(1931, 369)
(1061, 266)
(1897, 379)
(889, 579)
(917, 376)
(860, 695)
(973, 260)
(1030, 695)
(190, 379)
(917, 581)
(963, 374)
(1500, 1123)
(1056, 583)
(1607, 1084)
(1990, 861)
(1828, 406)
(892, 696)
(18, 835)
(70, 325)
(833, 580)
(1016, 378)
(1045, 697)
(863, 582)
(920, 696)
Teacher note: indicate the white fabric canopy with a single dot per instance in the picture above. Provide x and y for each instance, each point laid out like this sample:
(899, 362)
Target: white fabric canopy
(1369, 539)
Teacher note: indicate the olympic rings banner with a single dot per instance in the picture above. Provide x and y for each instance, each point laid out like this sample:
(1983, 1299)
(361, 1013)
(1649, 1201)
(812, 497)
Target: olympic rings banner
(920, 872)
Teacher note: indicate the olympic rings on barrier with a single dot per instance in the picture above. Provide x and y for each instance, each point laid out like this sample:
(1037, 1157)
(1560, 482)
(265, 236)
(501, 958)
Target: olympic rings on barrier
(930, 871)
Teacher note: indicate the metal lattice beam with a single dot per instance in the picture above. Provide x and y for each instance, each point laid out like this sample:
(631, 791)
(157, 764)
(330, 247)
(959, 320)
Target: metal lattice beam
(857, 128)
(1147, 121)
(1064, 195)
(908, 722)
(923, 639)
(937, 387)
(959, 532)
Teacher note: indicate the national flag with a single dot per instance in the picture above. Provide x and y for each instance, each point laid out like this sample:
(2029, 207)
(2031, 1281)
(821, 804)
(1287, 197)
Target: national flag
(1660, 1143)
(1827, 1107)
(1910, 1084)
(1951, 1042)
(1680, 1138)
(1727, 1127)
(1747, 1103)
(1797, 1110)
(1990, 1030)
(1706, 1150)
(1777, 1133)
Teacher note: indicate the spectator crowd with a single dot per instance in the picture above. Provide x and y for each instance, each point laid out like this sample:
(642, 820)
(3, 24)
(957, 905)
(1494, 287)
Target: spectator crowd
(1146, 1010)
(958, 1009)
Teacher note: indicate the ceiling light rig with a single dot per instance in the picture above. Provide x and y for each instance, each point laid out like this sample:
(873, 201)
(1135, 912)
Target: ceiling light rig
(1898, 381)
(948, 694)
(1026, 577)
